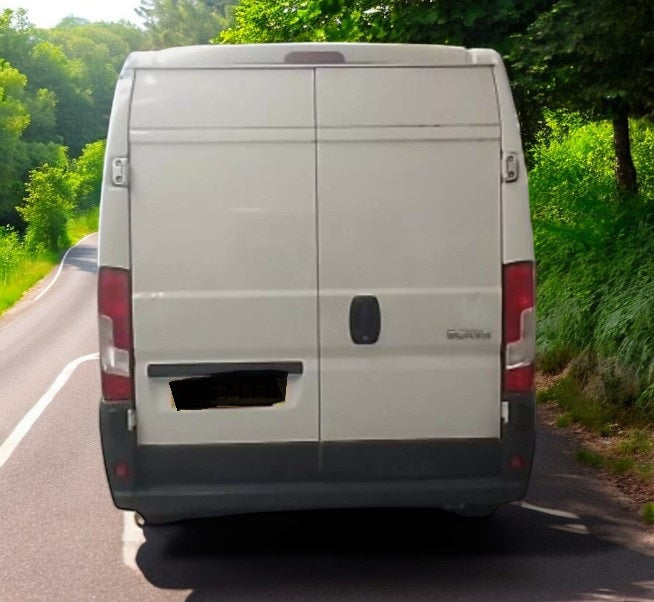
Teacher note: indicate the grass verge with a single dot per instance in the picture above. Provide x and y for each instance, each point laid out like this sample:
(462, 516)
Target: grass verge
(32, 268)
(616, 440)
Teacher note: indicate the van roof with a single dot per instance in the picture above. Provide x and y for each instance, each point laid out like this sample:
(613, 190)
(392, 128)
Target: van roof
(211, 56)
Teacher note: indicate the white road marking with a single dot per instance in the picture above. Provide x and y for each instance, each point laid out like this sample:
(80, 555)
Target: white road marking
(61, 265)
(577, 528)
(550, 511)
(133, 538)
(26, 423)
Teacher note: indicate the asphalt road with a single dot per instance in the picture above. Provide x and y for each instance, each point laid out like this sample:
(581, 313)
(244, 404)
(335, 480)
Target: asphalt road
(62, 539)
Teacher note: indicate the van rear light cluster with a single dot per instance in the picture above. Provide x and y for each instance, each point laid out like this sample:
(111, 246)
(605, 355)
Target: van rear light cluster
(519, 319)
(115, 326)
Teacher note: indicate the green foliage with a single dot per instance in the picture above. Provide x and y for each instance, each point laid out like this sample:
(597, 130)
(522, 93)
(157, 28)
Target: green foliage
(183, 22)
(648, 513)
(564, 420)
(77, 64)
(593, 55)
(83, 223)
(47, 207)
(595, 253)
(578, 406)
(484, 23)
(589, 457)
(12, 252)
(86, 175)
(21, 268)
(554, 359)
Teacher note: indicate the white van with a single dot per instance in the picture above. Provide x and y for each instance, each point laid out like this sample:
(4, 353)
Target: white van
(316, 281)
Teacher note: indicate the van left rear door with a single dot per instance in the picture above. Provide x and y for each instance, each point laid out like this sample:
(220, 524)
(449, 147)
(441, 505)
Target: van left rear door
(222, 194)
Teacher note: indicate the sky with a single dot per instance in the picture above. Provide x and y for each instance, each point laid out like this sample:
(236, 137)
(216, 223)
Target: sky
(47, 13)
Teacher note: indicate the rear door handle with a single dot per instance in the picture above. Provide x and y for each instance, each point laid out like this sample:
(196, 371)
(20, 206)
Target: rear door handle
(365, 319)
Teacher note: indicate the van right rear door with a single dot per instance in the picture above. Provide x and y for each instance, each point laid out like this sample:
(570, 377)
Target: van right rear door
(409, 244)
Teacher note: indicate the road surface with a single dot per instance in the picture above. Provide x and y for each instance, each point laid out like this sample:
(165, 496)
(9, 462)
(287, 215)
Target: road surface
(62, 539)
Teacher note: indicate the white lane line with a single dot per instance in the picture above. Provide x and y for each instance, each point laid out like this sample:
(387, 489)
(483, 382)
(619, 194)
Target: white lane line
(61, 265)
(550, 511)
(26, 423)
(133, 539)
(576, 528)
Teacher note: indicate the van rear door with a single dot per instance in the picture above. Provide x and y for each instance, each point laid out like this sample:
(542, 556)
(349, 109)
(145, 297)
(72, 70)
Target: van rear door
(409, 246)
(223, 249)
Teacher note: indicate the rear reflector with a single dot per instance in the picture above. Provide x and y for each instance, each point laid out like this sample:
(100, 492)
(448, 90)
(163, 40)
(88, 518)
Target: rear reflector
(517, 462)
(121, 469)
(519, 319)
(115, 327)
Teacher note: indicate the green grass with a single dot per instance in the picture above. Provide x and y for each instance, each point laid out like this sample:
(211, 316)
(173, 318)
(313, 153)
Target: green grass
(28, 269)
(27, 273)
(648, 513)
(564, 420)
(81, 225)
(595, 255)
(588, 457)
(579, 407)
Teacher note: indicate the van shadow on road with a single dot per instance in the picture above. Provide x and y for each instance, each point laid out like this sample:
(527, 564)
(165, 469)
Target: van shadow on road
(519, 554)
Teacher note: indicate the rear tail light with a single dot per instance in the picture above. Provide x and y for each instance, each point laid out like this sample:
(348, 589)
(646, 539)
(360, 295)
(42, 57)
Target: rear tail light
(519, 318)
(115, 326)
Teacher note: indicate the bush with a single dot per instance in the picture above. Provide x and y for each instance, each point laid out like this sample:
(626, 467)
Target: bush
(47, 207)
(12, 253)
(86, 173)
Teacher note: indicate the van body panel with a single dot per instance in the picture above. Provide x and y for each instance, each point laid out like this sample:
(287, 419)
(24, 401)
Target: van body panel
(406, 96)
(230, 98)
(114, 243)
(224, 253)
(517, 239)
(414, 244)
(255, 55)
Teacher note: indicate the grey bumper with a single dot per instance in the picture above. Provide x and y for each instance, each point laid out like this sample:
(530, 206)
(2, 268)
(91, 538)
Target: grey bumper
(166, 483)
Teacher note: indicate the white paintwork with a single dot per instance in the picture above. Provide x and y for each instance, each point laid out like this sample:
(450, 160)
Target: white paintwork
(223, 250)
(517, 239)
(256, 55)
(113, 243)
(416, 223)
(405, 96)
(10, 444)
(204, 99)
(236, 258)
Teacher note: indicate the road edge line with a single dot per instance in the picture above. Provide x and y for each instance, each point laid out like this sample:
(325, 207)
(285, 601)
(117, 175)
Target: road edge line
(10, 444)
(61, 266)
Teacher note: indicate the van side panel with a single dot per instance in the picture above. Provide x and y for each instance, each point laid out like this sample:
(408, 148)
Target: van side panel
(113, 247)
(223, 245)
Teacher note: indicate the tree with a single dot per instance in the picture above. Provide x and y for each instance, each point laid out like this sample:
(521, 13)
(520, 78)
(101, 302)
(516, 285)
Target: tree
(14, 119)
(47, 206)
(595, 56)
(86, 174)
(482, 23)
(183, 22)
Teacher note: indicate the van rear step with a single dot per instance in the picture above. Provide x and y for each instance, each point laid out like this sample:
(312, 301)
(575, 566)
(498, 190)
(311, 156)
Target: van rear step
(230, 389)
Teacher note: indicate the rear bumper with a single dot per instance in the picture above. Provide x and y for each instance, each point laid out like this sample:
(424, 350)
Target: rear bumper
(167, 483)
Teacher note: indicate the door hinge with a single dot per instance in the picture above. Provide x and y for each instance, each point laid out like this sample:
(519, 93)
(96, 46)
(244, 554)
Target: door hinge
(120, 171)
(510, 167)
(131, 419)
